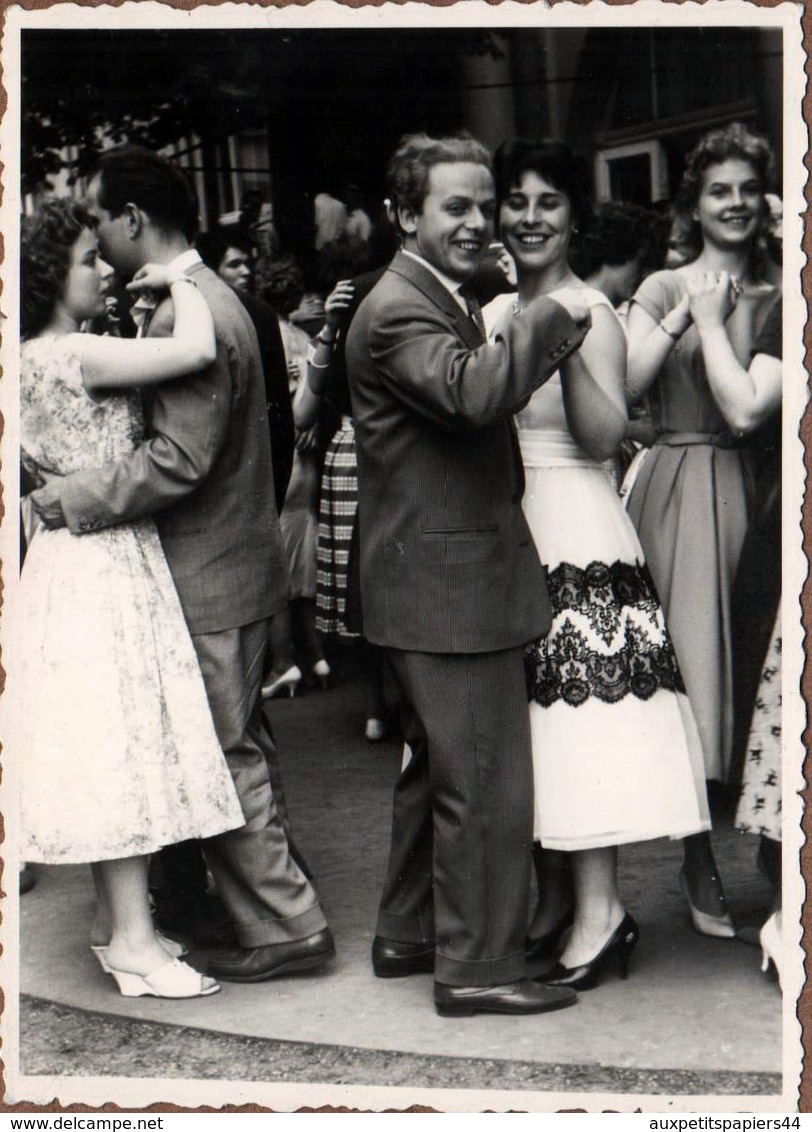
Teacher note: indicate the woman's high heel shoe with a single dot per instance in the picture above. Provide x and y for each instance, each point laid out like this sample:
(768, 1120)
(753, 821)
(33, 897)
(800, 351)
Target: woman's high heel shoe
(718, 927)
(375, 729)
(172, 947)
(772, 947)
(621, 943)
(321, 670)
(289, 680)
(546, 946)
(171, 980)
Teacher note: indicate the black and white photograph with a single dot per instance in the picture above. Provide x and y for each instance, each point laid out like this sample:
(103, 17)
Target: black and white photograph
(402, 556)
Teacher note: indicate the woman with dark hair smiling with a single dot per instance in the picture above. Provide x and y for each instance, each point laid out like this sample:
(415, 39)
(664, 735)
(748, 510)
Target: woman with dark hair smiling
(117, 750)
(690, 500)
(615, 754)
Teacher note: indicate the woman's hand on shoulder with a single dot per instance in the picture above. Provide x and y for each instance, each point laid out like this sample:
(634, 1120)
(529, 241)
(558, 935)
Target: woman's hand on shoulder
(150, 277)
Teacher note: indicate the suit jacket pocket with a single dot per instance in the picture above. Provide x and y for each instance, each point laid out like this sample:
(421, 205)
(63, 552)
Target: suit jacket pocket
(459, 544)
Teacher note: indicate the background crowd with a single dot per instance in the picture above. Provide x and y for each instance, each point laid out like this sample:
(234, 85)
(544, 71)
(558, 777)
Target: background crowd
(662, 434)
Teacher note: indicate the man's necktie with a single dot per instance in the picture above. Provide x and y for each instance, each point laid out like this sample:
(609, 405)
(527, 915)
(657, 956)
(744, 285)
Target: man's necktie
(474, 309)
(142, 311)
(475, 314)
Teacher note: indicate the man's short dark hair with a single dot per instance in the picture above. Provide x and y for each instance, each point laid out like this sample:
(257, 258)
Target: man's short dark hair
(132, 174)
(214, 244)
(409, 168)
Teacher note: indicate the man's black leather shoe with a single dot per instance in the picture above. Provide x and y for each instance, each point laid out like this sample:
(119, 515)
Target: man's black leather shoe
(393, 960)
(523, 997)
(256, 964)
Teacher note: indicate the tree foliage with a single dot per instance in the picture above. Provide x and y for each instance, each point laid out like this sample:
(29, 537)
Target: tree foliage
(85, 90)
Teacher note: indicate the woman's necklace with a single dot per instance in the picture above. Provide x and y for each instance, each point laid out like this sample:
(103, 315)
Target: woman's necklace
(519, 304)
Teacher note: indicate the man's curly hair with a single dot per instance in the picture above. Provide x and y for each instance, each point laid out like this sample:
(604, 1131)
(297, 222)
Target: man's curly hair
(45, 258)
(409, 168)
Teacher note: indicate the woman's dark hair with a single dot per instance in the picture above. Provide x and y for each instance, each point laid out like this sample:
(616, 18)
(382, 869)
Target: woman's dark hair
(45, 258)
(281, 283)
(409, 168)
(728, 143)
(552, 160)
(131, 174)
(617, 233)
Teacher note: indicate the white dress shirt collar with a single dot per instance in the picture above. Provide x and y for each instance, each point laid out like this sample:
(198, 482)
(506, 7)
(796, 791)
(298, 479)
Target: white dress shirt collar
(185, 260)
(451, 285)
(143, 308)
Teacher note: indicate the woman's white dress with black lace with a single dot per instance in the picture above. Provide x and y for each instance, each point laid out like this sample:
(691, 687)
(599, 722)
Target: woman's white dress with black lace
(616, 754)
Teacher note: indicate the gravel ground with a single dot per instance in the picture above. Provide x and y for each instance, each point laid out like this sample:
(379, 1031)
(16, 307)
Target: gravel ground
(62, 1041)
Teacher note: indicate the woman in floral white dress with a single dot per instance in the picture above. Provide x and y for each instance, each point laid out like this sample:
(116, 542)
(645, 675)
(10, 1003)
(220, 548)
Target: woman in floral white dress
(116, 745)
(616, 756)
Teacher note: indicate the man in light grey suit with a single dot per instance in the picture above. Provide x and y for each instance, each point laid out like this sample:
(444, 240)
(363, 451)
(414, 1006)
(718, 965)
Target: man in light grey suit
(204, 473)
(451, 583)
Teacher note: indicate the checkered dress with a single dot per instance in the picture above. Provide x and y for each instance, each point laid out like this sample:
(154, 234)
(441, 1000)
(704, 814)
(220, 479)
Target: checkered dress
(337, 519)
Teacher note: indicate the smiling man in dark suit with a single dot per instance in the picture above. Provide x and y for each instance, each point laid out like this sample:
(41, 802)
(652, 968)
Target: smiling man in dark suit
(451, 583)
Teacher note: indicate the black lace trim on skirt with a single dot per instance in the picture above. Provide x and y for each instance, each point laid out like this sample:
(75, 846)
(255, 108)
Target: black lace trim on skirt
(565, 665)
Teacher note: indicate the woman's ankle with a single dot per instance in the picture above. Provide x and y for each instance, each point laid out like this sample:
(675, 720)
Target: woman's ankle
(139, 952)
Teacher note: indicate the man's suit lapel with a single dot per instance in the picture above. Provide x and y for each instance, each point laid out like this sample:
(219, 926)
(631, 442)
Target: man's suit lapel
(467, 329)
(437, 294)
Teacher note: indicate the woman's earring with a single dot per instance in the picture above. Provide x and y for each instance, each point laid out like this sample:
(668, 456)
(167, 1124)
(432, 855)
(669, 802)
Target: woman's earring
(575, 229)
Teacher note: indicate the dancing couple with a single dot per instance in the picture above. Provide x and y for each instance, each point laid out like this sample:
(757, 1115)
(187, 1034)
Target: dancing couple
(458, 511)
(146, 594)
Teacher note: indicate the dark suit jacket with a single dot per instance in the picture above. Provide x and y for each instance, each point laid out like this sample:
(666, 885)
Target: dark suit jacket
(448, 562)
(204, 472)
(277, 390)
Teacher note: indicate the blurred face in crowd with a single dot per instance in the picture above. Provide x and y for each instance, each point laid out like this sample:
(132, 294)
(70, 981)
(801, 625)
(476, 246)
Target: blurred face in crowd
(86, 286)
(731, 204)
(235, 268)
(455, 225)
(535, 222)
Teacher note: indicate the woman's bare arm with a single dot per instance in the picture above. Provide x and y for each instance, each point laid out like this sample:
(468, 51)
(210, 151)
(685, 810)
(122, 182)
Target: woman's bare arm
(592, 380)
(650, 343)
(123, 363)
(746, 398)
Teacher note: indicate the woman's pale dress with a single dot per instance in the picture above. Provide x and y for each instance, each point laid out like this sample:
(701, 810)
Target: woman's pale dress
(116, 743)
(616, 755)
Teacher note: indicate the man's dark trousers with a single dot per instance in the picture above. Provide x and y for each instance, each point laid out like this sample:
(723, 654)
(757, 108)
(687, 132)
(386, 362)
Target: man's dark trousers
(465, 719)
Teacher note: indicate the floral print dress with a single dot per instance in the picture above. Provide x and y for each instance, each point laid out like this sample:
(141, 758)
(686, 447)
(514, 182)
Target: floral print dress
(759, 809)
(113, 736)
